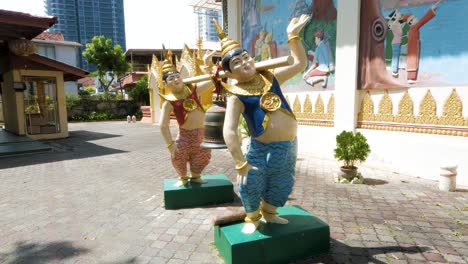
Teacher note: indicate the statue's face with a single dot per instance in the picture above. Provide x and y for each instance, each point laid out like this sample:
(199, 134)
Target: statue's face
(174, 82)
(242, 66)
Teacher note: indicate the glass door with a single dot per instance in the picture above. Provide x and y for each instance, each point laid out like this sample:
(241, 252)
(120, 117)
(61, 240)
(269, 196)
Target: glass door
(41, 105)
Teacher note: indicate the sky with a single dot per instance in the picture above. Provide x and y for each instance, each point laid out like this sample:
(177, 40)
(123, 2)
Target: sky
(148, 23)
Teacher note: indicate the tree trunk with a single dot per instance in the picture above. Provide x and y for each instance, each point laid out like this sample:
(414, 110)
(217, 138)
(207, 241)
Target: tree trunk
(373, 30)
(323, 10)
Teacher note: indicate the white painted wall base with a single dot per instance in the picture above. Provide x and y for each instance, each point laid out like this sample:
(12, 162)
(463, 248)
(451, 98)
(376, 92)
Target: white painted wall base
(418, 155)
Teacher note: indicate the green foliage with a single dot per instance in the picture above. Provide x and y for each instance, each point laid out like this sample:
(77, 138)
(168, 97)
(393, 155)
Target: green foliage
(106, 96)
(243, 128)
(83, 93)
(141, 93)
(109, 60)
(90, 89)
(96, 117)
(351, 148)
(72, 100)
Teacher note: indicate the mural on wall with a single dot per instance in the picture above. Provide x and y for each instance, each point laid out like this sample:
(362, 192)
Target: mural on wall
(413, 43)
(264, 36)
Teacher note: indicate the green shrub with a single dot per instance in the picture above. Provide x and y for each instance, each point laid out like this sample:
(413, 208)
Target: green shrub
(351, 148)
(72, 100)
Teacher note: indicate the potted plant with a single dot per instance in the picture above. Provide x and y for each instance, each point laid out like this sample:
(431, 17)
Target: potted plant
(351, 148)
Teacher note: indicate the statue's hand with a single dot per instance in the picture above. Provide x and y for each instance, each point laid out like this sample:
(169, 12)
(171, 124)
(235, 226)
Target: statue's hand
(296, 24)
(207, 58)
(242, 174)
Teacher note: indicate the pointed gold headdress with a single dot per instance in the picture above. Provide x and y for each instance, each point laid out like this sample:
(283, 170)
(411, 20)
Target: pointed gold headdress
(227, 44)
(168, 67)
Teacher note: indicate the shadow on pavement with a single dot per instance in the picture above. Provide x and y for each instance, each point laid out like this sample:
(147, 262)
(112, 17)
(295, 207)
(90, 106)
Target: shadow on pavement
(76, 146)
(42, 253)
(342, 253)
(369, 181)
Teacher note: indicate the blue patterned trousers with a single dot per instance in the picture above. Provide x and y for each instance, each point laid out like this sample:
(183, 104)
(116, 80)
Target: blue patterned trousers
(274, 179)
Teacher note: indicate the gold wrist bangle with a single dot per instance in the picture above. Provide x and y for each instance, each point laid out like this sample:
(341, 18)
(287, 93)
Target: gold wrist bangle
(170, 144)
(243, 165)
(293, 38)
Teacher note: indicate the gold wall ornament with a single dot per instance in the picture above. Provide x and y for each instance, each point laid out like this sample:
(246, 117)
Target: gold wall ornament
(330, 115)
(319, 108)
(21, 47)
(453, 111)
(385, 110)
(307, 108)
(367, 109)
(428, 110)
(296, 106)
(405, 109)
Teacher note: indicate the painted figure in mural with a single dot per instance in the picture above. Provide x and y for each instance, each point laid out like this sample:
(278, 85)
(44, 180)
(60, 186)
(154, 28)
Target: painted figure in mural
(259, 43)
(266, 50)
(394, 21)
(265, 176)
(322, 63)
(183, 101)
(414, 42)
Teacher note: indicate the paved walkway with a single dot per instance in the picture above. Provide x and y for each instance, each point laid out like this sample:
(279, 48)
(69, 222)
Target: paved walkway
(97, 198)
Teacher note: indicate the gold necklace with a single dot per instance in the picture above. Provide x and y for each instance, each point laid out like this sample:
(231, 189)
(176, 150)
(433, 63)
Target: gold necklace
(257, 86)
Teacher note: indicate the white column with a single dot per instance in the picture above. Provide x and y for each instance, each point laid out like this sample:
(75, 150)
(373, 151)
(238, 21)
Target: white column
(347, 52)
(234, 21)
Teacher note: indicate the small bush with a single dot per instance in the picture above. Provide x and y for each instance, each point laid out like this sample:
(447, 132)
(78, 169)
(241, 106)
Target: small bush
(351, 148)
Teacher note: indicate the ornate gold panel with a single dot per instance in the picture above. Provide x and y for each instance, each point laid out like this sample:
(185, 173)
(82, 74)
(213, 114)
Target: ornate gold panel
(428, 110)
(367, 109)
(330, 108)
(296, 105)
(405, 110)
(453, 111)
(307, 108)
(319, 112)
(385, 112)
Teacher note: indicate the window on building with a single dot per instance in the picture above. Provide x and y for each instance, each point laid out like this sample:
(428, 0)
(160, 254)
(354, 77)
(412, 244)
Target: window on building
(46, 50)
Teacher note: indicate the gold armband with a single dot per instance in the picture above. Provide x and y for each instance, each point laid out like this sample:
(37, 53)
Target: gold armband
(170, 144)
(243, 165)
(293, 38)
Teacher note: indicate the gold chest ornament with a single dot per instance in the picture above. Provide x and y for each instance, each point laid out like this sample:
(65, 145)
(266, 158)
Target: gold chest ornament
(270, 102)
(189, 105)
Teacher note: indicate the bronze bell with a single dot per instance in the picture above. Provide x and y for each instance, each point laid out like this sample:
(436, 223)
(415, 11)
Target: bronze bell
(214, 122)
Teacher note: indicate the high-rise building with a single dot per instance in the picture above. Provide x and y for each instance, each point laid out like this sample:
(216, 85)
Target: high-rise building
(81, 20)
(206, 11)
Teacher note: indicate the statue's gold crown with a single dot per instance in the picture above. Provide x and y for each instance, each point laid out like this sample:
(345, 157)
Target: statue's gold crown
(168, 67)
(227, 44)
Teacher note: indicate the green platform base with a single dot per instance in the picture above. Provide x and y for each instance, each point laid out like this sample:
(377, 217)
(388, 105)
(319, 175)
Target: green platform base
(305, 235)
(217, 190)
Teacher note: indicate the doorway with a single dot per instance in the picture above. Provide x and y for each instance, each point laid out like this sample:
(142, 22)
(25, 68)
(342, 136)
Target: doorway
(41, 105)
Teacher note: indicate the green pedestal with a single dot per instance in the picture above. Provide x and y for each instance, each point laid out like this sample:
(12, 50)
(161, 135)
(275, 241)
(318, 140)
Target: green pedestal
(305, 235)
(217, 190)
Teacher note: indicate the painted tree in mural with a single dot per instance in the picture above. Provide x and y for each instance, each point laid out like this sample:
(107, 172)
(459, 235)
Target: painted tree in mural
(373, 30)
(323, 10)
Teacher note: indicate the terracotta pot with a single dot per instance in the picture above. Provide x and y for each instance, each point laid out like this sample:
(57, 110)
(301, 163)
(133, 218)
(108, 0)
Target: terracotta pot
(349, 172)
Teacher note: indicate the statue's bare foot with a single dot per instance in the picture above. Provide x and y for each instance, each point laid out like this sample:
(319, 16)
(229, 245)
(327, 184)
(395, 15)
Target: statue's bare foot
(250, 227)
(198, 180)
(275, 219)
(180, 183)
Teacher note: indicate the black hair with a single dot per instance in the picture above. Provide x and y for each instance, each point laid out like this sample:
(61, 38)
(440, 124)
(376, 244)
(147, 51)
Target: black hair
(391, 14)
(167, 74)
(227, 58)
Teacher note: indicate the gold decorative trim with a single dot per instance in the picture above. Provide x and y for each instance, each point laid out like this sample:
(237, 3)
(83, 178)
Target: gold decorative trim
(367, 109)
(453, 111)
(414, 128)
(313, 122)
(405, 110)
(385, 111)
(296, 106)
(428, 110)
(319, 112)
(307, 108)
(330, 115)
